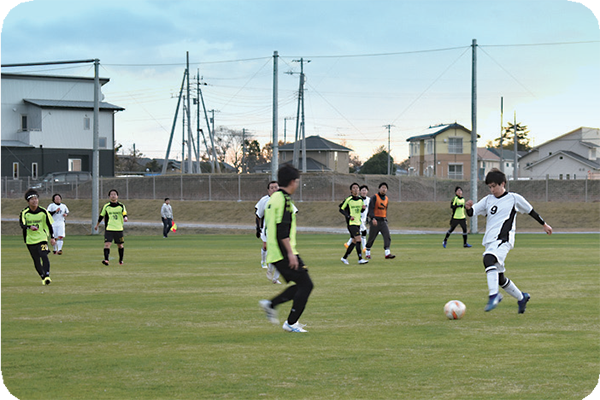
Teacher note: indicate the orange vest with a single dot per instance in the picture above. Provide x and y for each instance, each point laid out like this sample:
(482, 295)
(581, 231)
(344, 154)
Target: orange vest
(380, 208)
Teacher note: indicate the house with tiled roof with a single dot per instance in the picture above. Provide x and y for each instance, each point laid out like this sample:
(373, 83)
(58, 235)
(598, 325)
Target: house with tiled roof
(574, 155)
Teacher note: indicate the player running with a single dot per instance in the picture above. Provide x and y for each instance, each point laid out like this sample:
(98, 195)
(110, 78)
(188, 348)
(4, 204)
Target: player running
(114, 215)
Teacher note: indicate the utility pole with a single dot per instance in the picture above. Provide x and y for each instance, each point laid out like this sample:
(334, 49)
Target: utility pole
(389, 167)
(212, 139)
(244, 169)
(300, 122)
(501, 134)
(516, 168)
(285, 128)
(275, 147)
(474, 133)
(95, 147)
(189, 111)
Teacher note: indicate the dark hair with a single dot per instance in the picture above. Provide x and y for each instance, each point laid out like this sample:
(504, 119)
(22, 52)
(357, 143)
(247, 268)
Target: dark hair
(56, 194)
(456, 188)
(30, 193)
(495, 176)
(363, 187)
(383, 184)
(113, 190)
(166, 198)
(270, 183)
(286, 174)
(354, 183)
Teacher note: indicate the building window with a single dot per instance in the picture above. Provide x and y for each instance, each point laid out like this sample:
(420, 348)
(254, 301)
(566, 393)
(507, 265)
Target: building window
(568, 176)
(74, 164)
(24, 123)
(87, 124)
(34, 170)
(455, 171)
(429, 146)
(560, 176)
(15, 170)
(102, 142)
(455, 145)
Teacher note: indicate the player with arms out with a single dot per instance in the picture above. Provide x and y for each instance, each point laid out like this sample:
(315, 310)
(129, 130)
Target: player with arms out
(500, 207)
(351, 208)
(114, 215)
(36, 223)
(280, 220)
(59, 212)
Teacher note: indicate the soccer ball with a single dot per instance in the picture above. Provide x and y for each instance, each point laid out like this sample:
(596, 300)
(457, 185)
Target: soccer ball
(455, 309)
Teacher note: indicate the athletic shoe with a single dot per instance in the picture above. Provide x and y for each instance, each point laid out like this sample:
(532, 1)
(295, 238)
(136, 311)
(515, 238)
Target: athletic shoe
(344, 261)
(297, 327)
(47, 281)
(346, 245)
(523, 302)
(105, 262)
(270, 312)
(444, 243)
(467, 245)
(493, 302)
(276, 282)
(54, 252)
(363, 261)
(390, 256)
(59, 252)
(368, 256)
(120, 262)
(264, 265)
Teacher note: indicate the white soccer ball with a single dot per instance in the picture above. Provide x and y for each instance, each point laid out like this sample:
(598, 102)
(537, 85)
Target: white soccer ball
(455, 309)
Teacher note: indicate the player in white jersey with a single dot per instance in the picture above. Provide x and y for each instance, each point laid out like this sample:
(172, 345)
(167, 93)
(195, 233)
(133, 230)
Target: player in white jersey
(58, 211)
(261, 231)
(500, 207)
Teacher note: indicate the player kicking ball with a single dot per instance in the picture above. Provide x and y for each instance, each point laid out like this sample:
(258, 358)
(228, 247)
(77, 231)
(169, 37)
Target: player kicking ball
(500, 207)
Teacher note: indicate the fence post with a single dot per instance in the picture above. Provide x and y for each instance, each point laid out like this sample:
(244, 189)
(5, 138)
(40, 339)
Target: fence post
(153, 187)
(332, 187)
(239, 187)
(399, 187)
(586, 188)
(300, 188)
(127, 187)
(210, 187)
(434, 188)
(547, 178)
(181, 185)
(76, 187)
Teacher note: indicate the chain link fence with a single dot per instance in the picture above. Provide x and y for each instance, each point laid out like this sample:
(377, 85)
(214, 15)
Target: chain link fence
(313, 187)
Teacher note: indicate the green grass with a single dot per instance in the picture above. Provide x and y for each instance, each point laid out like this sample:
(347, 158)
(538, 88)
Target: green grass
(180, 320)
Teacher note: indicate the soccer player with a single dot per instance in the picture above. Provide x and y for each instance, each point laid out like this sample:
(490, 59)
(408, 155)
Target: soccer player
(114, 215)
(351, 208)
(378, 215)
(280, 219)
(458, 217)
(261, 231)
(501, 208)
(166, 215)
(59, 212)
(364, 194)
(36, 223)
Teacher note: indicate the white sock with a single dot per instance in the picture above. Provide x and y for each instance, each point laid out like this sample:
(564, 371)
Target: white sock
(514, 291)
(492, 280)
(59, 244)
(349, 242)
(363, 241)
(387, 252)
(263, 256)
(367, 252)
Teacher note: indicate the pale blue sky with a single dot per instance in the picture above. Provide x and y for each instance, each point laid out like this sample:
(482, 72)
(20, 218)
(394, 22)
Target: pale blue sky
(405, 63)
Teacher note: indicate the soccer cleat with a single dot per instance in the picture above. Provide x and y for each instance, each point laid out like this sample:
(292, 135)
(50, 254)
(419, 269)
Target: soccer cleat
(264, 265)
(46, 281)
(59, 252)
(297, 327)
(390, 256)
(444, 243)
(523, 302)
(344, 261)
(276, 282)
(270, 312)
(493, 302)
(368, 256)
(54, 252)
(105, 262)
(467, 245)
(120, 262)
(363, 261)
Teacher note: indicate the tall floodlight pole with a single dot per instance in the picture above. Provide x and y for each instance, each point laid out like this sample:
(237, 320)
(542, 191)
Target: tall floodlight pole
(501, 134)
(516, 168)
(95, 146)
(389, 167)
(189, 113)
(474, 133)
(275, 147)
(303, 120)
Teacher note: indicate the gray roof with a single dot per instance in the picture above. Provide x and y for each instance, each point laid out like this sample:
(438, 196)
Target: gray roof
(15, 143)
(311, 166)
(72, 104)
(433, 131)
(573, 155)
(316, 143)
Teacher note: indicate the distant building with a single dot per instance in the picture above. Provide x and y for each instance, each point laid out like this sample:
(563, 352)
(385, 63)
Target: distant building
(443, 151)
(508, 161)
(574, 155)
(47, 125)
(486, 161)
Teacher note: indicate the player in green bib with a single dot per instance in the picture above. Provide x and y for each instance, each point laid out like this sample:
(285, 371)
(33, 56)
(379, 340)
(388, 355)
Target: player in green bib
(351, 208)
(458, 216)
(114, 215)
(36, 223)
(280, 222)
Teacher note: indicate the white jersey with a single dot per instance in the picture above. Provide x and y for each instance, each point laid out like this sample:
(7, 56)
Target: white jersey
(58, 212)
(364, 214)
(260, 209)
(501, 215)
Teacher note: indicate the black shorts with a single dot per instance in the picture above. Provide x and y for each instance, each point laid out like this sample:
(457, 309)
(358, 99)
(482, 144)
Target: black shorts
(291, 275)
(354, 230)
(38, 249)
(116, 236)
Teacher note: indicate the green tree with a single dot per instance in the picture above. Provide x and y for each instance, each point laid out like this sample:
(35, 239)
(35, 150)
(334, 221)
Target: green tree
(508, 138)
(378, 163)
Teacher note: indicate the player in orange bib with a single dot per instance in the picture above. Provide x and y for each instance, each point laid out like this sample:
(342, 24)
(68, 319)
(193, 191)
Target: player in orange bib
(378, 215)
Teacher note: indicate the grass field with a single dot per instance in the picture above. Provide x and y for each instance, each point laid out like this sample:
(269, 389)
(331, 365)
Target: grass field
(180, 320)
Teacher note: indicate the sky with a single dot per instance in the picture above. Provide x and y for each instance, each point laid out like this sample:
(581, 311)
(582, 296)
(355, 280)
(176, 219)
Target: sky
(406, 64)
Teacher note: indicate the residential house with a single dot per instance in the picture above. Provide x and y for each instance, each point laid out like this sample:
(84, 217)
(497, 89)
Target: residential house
(508, 161)
(574, 155)
(486, 161)
(47, 125)
(443, 151)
